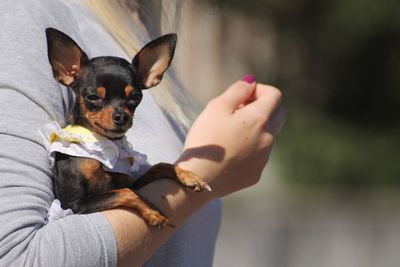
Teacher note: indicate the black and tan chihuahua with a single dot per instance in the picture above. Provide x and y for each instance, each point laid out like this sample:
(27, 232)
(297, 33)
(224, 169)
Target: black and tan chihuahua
(108, 90)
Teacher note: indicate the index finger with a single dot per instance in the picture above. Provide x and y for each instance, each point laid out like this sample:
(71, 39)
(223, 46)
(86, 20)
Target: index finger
(266, 100)
(237, 94)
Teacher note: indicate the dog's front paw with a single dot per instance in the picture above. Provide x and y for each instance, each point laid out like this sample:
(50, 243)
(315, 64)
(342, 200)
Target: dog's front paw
(154, 218)
(191, 180)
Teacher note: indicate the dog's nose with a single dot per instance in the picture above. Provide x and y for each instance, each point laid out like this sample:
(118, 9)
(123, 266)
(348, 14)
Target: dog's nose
(120, 118)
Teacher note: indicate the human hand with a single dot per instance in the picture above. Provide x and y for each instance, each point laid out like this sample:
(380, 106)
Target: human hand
(230, 142)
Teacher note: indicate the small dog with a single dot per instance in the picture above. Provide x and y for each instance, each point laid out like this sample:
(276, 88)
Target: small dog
(94, 176)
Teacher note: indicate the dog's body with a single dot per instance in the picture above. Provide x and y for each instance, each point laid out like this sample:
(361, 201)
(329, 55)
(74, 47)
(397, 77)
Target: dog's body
(108, 90)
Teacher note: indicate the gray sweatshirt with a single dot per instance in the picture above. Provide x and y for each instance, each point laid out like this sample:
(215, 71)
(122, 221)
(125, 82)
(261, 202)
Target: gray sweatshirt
(30, 98)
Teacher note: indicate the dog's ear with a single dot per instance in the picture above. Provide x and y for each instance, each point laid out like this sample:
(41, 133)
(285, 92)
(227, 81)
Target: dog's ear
(154, 59)
(65, 56)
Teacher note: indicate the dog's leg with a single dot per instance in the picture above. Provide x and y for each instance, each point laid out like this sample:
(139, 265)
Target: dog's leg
(110, 190)
(169, 171)
(123, 198)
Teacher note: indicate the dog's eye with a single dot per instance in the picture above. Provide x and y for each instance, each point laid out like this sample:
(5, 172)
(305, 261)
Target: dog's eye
(134, 100)
(93, 98)
(93, 102)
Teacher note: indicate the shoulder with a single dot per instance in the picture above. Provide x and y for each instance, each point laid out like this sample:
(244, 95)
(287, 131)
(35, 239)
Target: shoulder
(24, 64)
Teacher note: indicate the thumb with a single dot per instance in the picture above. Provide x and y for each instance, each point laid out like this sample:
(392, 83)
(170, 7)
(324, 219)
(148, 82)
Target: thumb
(239, 93)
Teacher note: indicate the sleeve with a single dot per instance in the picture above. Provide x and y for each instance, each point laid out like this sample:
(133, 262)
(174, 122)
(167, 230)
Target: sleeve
(30, 98)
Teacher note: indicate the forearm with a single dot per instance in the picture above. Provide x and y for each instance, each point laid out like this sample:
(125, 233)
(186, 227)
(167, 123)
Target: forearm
(25, 197)
(227, 146)
(136, 241)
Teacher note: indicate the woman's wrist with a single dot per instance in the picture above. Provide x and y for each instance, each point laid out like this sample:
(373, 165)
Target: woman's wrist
(136, 241)
(206, 162)
(174, 201)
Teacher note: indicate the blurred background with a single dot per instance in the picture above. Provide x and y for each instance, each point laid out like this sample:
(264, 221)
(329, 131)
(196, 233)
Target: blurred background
(330, 194)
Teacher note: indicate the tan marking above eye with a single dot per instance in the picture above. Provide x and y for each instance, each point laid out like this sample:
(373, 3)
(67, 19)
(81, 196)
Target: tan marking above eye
(101, 91)
(128, 90)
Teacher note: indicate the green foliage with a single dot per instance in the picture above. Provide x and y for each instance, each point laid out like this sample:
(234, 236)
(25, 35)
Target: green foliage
(318, 149)
(344, 101)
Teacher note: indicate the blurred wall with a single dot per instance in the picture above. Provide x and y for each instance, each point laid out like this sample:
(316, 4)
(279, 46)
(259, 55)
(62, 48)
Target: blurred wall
(329, 196)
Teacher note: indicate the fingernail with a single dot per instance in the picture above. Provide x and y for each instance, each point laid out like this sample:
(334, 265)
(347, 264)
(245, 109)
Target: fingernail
(249, 78)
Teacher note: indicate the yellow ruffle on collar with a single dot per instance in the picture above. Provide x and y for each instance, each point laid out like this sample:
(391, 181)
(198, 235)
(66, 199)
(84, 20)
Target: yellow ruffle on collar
(78, 141)
(76, 134)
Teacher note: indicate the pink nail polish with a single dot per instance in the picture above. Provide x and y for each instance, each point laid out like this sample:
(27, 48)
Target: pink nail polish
(249, 78)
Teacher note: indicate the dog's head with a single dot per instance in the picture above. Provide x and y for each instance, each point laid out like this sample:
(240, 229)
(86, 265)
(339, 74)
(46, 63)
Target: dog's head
(108, 89)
